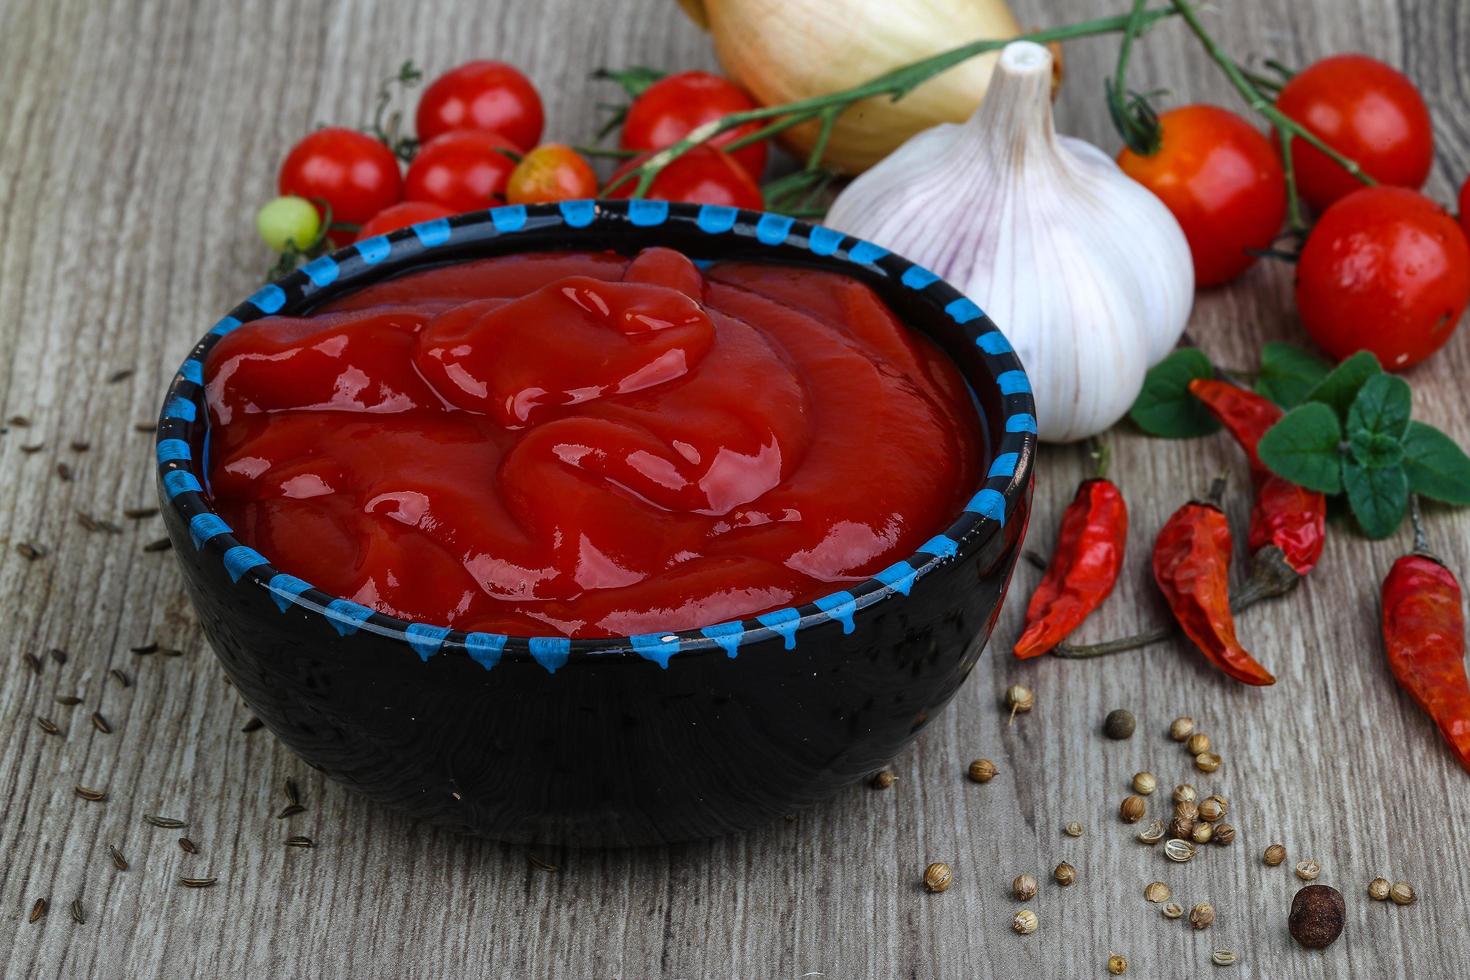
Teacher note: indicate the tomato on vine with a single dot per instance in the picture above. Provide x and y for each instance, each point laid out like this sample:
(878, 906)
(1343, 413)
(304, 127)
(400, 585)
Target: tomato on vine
(1367, 111)
(671, 107)
(288, 223)
(704, 175)
(551, 172)
(356, 175)
(1465, 205)
(463, 170)
(1385, 270)
(486, 95)
(402, 215)
(1221, 179)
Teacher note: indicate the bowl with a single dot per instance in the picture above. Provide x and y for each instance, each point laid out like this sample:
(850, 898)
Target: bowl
(634, 740)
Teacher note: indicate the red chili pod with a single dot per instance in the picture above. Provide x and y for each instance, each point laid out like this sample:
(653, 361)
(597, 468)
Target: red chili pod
(1191, 564)
(1083, 568)
(1424, 637)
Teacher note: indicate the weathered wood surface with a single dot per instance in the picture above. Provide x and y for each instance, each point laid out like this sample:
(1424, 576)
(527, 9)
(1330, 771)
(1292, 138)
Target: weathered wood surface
(136, 139)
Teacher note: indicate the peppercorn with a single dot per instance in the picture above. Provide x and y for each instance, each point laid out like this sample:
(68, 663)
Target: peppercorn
(1378, 889)
(1024, 922)
(982, 770)
(1117, 965)
(1203, 832)
(1024, 887)
(1156, 892)
(1185, 793)
(1181, 728)
(1131, 809)
(1065, 874)
(1224, 834)
(1019, 699)
(1317, 916)
(1202, 915)
(883, 778)
(1207, 762)
(1197, 743)
(1119, 724)
(1145, 783)
(1274, 855)
(938, 877)
(1073, 829)
(1402, 893)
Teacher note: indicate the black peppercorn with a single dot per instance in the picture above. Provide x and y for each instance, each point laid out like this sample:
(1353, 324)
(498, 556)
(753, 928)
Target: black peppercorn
(1317, 914)
(1119, 724)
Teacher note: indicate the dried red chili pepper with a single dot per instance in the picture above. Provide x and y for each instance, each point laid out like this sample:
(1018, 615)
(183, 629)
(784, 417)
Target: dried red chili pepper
(1424, 637)
(1290, 517)
(1083, 568)
(1191, 563)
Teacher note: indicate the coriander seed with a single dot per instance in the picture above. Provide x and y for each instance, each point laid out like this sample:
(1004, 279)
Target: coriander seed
(1308, 870)
(1117, 964)
(982, 771)
(1156, 892)
(1220, 802)
(883, 779)
(1178, 851)
(1207, 762)
(1202, 915)
(1181, 828)
(1153, 834)
(1197, 743)
(1172, 910)
(1131, 809)
(1185, 793)
(1317, 916)
(1181, 728)
(1024, 922)
(1144, 783)
(1274, 855)
(1073, 829)
(1119, 724)
(1210, 809)
(1224, 834)
(1378, 889)
(1203, 833)
(1223, 957)
(1402, 893)
(938, 877)
(1024, 887)
(1019, 699)
(1065, 874)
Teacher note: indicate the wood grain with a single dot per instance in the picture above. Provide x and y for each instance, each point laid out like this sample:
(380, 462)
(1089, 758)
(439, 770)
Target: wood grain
(136, 139)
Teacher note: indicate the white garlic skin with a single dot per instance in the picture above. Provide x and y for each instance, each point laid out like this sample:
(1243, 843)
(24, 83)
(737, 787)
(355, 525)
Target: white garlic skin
(1082, 268)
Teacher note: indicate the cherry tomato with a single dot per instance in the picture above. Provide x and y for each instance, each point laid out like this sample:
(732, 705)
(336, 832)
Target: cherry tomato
(1386, 270)
(402, 215)
(1221, 179)
(704, 175)
(355, 174)
(1366, 111)
(463, 170)
(1465, 205)
(672, 106)
(288, 222)
(551, 172)
(488, 95)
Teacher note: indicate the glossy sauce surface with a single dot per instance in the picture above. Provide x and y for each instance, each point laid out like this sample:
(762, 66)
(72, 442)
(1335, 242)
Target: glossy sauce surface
(589, 444)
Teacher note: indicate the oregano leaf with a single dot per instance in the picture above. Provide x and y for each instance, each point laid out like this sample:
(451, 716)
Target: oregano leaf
(1437, 468)
(1377, 498)
(1304, 447)
(1381, 407)
(1289, 373)
(1341, 386)
(1375, 450)
(1164, 407)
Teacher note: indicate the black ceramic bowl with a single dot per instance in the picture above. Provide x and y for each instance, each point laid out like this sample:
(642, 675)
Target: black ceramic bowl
(634, 740)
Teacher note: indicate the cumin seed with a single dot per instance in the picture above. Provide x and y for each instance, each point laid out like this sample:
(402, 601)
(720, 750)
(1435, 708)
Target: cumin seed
(90, 794)
(170, 651)
(121, 374)
(121, 677)
(536, 862)
(253, 725)
(63, 472)
(167, 823)
(87, 521)
(80, 445)
(57, 654)
(32, 661)
(77, 915)
(100, 723)
(162, 544)
(290, 810)
(30, 552)
(33, 447)
(145, 426)
(293, 794)
(38, 911)
(19, 421)
(47, 725)
(300, 841)
(118, 861)
(69, 700)
(198, 882)
(188, 846)
(139, 513)
(144, 649)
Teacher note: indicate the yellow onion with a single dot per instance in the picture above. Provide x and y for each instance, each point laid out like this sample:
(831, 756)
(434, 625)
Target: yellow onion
(784, 50)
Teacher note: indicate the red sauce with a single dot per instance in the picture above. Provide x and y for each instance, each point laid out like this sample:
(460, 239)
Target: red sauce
(587, 444)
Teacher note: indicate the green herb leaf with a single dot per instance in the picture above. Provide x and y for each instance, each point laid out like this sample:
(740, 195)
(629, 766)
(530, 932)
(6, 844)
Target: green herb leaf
(1341, 386)
(1378, 498)
(1375, 450)
(1165, 407)
(1382, 407)
(1304, 448)
(1437, 468)
(1289, 373)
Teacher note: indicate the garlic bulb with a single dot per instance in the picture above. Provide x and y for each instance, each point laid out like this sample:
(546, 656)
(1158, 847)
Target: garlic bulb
(783, 50)
(1083, 269)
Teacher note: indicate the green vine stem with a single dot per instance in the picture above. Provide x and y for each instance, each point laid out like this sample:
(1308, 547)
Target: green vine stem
(895, 84)
(1133, 117)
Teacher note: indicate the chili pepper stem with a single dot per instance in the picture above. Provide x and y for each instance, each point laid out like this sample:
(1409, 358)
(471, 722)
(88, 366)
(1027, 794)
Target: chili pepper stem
(1102, 457)
(1421, 541)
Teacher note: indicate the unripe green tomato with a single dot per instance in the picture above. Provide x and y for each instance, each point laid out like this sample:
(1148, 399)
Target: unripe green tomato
(286, 221)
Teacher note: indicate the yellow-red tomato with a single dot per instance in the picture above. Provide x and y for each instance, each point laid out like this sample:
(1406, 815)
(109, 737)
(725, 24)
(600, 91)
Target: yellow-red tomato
(551, 172)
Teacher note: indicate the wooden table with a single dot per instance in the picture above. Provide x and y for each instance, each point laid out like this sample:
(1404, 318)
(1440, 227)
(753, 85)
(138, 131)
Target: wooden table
(136, 140)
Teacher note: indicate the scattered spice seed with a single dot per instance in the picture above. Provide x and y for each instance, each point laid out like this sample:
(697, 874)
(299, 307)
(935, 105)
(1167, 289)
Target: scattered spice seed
(165, 823)
(33, 447)
(290, 810)
(938, 877)
(1209, 810)
(1402, 893)
(1181, 728)
(1117, 964)
(299, 841)
(32, 661)
(80, 445)
(162, 544)
(63, 472)
(1019, 699)
(1178, 850)
(1317, 916)
(145, 426)
(293, 794)
(77, 915)
(1275, 854)
(254, 724)
(57, 654)
(1119, 724)
(30, 552)
(1207, 762)
(1024, 887)
(1065, 874)
(118, 861)
(1025, 922)
(1378, 889)
(1144, 783)
(145, 649)
(90, 794)
(1223, 957)
(1153, 834)
(1073, 829)
(18, 421)
(198, 882)
(982, 771)
(1185, 793)
(121, 677)
(100, 723)
(69, 700)
(1157, 892)
(38, 911)
(188, 846)
(47, 725)
(1131, 809)
(1308, 870)
(883, 779)
(1202, 915)
(170, 652)
(1203, 833)
(121, 374)
(140, 513)
(1197, 743)
(1172, 910)
(536, 862)
(1224, 834)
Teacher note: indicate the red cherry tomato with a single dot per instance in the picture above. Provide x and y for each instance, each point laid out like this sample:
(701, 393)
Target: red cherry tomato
(1365, 110)
(488, 95)
(401, 216)
(1386, 270)
(355, 174)
(463, 170)
(704, 175)
(672, 106)
(1465, 205)
(551, 172)
(1222, 181)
